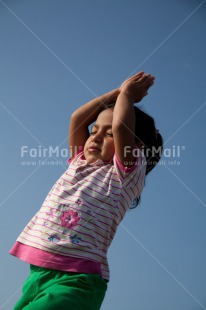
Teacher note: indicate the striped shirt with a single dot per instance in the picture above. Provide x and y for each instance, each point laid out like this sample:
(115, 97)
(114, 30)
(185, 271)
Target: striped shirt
(79, 217)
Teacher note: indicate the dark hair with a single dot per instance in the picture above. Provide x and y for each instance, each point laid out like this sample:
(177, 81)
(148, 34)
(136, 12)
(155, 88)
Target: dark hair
(148, 137)
(149, 140)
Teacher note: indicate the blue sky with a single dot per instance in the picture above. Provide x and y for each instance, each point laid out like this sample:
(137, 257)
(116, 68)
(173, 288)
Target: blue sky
(56, 56)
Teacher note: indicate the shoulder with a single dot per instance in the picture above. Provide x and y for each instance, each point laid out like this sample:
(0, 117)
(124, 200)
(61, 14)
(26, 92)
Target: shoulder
(132, 173)
(77, 156)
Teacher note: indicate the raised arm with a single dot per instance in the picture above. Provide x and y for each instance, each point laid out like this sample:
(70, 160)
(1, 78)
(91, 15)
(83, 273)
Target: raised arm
(86, 115)
(123, 126)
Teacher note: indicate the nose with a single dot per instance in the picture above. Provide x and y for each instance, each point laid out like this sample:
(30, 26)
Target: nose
(97, 137)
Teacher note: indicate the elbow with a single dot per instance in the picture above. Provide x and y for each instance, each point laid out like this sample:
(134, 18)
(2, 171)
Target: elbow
(76, 117)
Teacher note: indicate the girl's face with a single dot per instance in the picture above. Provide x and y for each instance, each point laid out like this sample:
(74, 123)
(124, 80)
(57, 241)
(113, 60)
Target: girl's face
(100, 144)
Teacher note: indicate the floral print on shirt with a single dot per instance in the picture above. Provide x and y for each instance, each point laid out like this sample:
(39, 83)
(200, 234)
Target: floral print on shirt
(69, 218)
(54, 238)
(75, 239)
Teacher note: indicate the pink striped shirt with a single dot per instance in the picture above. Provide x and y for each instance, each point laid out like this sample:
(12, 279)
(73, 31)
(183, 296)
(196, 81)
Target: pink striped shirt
(79, 217)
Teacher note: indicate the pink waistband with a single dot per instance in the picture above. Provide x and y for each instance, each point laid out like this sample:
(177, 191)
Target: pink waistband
(45, 259)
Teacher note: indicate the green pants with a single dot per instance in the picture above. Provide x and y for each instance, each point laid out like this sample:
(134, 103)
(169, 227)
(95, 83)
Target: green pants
(48, 289)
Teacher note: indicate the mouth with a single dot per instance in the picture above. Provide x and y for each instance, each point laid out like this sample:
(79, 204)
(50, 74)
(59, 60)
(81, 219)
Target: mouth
(93, 149)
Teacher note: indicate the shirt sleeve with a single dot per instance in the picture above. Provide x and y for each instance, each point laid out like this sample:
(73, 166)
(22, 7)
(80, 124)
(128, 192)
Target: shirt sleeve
(78, 152)
(132, 176)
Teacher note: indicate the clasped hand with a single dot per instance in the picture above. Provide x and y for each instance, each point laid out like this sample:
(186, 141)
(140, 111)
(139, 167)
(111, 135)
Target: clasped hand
(136, 87)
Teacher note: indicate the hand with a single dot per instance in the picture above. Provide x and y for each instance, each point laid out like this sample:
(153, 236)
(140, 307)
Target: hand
(137, 86)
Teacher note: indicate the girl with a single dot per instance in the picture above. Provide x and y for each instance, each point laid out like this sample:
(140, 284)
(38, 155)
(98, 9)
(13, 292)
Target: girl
(66, 242)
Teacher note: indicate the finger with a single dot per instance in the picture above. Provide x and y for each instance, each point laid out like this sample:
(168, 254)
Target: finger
(150, 76)
(137, 75)
(132, 78)
(148, 86)
(144, 79)
(147, 79)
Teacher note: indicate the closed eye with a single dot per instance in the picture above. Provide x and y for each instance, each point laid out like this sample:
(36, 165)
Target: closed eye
(109, 134)
(92, 133)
